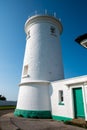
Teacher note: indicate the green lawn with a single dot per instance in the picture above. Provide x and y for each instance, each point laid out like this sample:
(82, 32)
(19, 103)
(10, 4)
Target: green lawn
(7, 107)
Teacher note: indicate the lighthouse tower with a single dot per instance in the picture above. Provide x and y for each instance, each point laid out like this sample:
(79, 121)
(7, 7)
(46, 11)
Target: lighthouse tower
(42, 64)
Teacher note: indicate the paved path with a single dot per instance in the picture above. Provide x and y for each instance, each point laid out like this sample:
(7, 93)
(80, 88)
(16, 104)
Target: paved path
(9, 122)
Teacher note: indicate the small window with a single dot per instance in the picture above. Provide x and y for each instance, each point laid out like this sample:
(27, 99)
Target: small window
(61, 97)
(25, 72)
(52, 29)
(28, 34)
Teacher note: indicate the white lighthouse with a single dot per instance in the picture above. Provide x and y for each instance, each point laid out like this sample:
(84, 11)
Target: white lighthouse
(42, 65)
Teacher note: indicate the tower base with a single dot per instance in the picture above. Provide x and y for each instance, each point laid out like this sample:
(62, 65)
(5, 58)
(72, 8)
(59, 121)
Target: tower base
(32, 114)
(34, 100)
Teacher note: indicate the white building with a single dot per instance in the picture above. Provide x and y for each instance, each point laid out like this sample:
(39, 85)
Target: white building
(44, 93)
(69, 98)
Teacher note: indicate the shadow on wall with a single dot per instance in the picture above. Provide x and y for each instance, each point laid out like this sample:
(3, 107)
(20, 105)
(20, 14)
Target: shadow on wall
(50, 93)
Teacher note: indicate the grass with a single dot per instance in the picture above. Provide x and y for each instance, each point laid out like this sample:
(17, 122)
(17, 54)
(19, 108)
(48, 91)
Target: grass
(7, 107)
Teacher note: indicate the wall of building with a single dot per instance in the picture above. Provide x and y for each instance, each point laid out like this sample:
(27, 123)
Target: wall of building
(43, 50)
(42, 63)
(61, 111)
(65, 110)
(34, 96)
(34, 100)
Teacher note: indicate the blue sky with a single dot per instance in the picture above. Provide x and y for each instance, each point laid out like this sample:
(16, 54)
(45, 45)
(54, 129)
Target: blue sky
(13, 15)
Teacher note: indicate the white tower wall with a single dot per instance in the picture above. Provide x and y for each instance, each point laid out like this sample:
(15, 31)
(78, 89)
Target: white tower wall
(42, 63)
(37, 95)
(43, 52)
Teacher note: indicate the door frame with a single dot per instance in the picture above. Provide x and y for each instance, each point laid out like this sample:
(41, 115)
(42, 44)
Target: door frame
(74, 106)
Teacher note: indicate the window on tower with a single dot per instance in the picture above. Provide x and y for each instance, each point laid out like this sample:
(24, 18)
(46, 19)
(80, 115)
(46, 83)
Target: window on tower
(25, 72)
(28, 34)
(53, 30)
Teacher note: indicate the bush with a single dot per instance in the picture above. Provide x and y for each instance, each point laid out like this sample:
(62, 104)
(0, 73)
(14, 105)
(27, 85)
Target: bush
(2, 98)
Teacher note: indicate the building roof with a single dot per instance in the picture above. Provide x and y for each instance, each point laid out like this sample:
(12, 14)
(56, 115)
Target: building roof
(82, 39)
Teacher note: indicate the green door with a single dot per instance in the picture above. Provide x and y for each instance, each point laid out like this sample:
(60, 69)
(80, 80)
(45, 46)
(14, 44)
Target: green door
(78, 103)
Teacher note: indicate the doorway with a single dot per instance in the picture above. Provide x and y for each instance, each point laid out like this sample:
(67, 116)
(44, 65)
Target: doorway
(78, 103)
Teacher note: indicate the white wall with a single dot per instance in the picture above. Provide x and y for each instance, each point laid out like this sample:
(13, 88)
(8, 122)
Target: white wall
(43, 60)
(43, 51)
(67, 110)
(61, 110)
(34, 96)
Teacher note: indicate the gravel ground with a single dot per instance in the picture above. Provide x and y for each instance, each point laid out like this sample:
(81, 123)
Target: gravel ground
(9, 122)
(2, 112)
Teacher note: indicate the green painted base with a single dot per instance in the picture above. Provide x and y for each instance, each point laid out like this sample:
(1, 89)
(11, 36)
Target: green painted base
(33, 114)
(61, 118)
